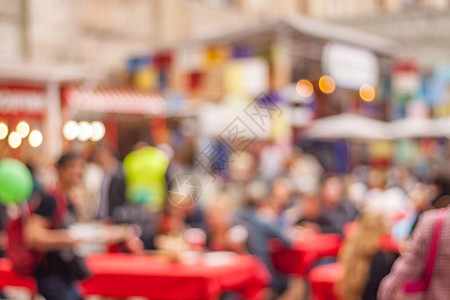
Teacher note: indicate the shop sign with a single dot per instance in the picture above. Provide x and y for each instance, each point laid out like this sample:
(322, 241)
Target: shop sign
(350, 66)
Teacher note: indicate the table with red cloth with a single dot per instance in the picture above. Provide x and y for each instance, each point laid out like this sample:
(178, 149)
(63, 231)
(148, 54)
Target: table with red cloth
(124, 275)
(306, 249)
(323, 279)
(9, 278)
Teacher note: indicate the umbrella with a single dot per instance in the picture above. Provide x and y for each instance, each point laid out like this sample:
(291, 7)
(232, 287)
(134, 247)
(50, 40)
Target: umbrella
(348, 126)
(418, 128)
(443, 126)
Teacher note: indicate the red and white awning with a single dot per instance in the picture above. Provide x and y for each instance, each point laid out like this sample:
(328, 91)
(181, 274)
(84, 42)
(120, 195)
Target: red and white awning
(111, 100)
(22, 101)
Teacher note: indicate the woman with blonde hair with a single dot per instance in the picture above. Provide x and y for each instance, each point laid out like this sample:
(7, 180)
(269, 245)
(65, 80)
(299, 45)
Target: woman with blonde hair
(364, 263)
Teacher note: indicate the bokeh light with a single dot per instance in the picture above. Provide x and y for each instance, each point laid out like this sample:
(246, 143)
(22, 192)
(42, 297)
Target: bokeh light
(35, 139)
(305, 88)
(367, 92)
(3, 131)
(71, 130)
(327, 84)
(14, 140)
(98, 131)
(23, 129)
(86, 131)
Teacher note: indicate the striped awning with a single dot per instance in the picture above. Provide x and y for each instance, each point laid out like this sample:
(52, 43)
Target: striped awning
(112, 100)
(22, 101)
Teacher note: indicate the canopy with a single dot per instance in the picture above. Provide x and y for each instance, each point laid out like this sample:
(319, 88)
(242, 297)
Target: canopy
(443, 126)
(420, 128)
(348, 126)
(22, 101)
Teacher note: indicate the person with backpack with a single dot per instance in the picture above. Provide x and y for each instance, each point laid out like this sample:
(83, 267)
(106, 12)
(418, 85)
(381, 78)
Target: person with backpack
(45, 232)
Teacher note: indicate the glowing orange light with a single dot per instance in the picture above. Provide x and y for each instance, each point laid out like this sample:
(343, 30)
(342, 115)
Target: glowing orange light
(305, 88)
(327, 84)
(367, 92)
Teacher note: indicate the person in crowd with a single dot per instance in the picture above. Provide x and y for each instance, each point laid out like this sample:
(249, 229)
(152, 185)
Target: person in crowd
(47, 232)
(305, 171)
(221, 234)
(145, 171)
(421, 200)
(195, 217)
(271, 162)
(112, 192)
(280, 193)
(294, 212)
(441, 184)
(391, 201)
(364, 263)
(169, 237)
(218, 220)
(262, 225)
(356, 190)
(411, 264)
(242, 171)
(89, 190)
(404, 178)
(337, 210)
(312, 218)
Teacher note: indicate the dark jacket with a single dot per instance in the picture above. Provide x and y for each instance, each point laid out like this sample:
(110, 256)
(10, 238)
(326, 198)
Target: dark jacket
(116, 192)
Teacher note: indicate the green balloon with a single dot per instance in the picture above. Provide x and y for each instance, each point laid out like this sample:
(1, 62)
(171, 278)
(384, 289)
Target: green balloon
(16, 183)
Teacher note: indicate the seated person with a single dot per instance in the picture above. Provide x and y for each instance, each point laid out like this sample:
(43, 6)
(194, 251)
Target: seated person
(311, 216)
(218, 220)
(195, 217)
(280, 195)
(173, 237)
(391, 201)
(364, 263)
(336, 209)
(221, 234)
(262, 225)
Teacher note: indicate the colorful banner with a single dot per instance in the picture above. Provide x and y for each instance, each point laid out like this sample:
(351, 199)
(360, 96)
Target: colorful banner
(146, 79)
(249, 76)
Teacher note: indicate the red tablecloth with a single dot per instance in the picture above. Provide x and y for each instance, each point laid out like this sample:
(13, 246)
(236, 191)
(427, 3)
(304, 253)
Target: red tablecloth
(10, 278)
(305, 251)
(122, 275)
(323, 279)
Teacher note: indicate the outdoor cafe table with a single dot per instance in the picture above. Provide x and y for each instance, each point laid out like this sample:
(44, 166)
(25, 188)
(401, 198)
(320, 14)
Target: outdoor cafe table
(306, 249)
(124, 275)
(323, 281)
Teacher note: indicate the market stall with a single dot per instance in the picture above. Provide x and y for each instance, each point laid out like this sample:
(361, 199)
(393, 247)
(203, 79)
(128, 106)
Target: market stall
(30, 95)
(127, 116)
(22, 111)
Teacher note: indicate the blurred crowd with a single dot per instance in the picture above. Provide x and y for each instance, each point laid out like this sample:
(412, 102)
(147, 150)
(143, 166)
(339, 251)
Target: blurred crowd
(264, 194)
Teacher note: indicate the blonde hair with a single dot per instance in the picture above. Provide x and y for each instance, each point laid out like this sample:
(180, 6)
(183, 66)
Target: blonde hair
(357, 254)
